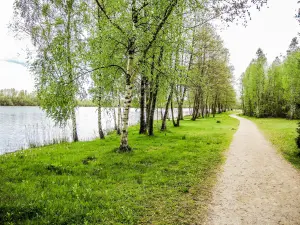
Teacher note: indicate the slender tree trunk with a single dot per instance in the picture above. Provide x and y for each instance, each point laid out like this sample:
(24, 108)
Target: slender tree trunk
(100, 130)
(115, 119)
(148, 105)
(114, 112)
(119, 117)
(153, 104)
(195, 106)
(180, 109)
(202, 110)
(150, 95)
(154, 95)
(181, 113)
(164, 118)
(74, 126)
(219, 108)
(143, 127)
(70, 69)
(172, 113)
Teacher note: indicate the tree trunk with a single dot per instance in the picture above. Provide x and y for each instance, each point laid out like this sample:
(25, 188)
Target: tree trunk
(154, 94)
(115, 119)
(143, 127)
(164, 118)
(202, 110)
(119, 117)
(70, 70)
(74, 126)
(213, 110)
(153, 104)
(181, 113)
(124, 146)
(100, 131)
(196, 105)
(150, 94)
(219, 108)
(180, 109)
(172, 112)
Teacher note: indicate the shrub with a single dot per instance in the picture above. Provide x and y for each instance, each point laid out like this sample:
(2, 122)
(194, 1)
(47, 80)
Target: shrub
(298, 138)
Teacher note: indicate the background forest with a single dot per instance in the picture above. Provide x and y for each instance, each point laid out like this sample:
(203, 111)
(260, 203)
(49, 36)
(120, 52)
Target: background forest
(12, 97)
(273, 90)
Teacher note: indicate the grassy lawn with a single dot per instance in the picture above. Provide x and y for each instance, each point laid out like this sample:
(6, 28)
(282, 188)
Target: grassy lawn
(282, 134)
(167, 179)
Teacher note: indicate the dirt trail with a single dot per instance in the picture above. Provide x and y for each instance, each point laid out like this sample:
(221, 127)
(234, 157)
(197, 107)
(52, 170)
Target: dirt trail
(257, 186)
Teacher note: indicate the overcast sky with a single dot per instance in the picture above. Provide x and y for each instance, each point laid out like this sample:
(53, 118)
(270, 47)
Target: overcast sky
(271, 29)
(13, 73)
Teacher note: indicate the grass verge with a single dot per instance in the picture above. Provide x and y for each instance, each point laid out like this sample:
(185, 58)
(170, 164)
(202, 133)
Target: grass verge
(282, 134)
(167, 179)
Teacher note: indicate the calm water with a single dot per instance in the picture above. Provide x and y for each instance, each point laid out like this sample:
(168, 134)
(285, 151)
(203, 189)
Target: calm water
(21, 127)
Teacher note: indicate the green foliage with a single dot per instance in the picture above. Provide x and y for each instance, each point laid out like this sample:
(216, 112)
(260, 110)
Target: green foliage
(211, 79)
(253, 81)
(167, 179)
(54, 28)
(11, 97)
(273, 91)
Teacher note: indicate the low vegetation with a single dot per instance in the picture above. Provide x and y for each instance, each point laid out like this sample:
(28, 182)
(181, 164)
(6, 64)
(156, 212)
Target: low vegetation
(166, 179)
(282, 133)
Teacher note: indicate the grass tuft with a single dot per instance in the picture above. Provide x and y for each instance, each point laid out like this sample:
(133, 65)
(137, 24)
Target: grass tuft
(88, 159)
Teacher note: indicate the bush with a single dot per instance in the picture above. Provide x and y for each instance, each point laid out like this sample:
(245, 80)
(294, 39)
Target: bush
(298, 138)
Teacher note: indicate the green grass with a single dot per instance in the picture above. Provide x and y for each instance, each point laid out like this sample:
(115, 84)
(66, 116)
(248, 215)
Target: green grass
(167, 179)
(282, 134)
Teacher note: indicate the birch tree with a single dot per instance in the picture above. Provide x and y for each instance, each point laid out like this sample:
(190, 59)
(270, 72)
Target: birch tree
(54, 28)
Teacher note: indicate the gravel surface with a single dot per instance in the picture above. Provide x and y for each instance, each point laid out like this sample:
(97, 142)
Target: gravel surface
(256, 186)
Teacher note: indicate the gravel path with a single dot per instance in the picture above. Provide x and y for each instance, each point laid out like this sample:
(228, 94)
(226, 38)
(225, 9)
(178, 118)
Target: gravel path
(257, 186)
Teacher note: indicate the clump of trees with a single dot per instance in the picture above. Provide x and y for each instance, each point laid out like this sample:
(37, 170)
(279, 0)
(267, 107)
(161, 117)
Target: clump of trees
(12, 97)
(273, 90)
(148, 52)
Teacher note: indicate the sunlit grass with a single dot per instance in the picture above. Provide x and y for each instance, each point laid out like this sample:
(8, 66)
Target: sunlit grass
(167, 179)
(282, 134)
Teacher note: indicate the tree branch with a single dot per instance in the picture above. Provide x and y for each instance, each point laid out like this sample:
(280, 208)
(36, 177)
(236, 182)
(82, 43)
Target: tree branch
(161, 24)
(101, 7)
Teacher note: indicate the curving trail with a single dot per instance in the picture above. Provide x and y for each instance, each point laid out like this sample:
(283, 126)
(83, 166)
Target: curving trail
(257, 186)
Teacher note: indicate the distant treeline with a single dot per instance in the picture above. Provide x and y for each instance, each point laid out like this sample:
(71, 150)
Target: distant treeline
(274, 90)
(12, 97)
